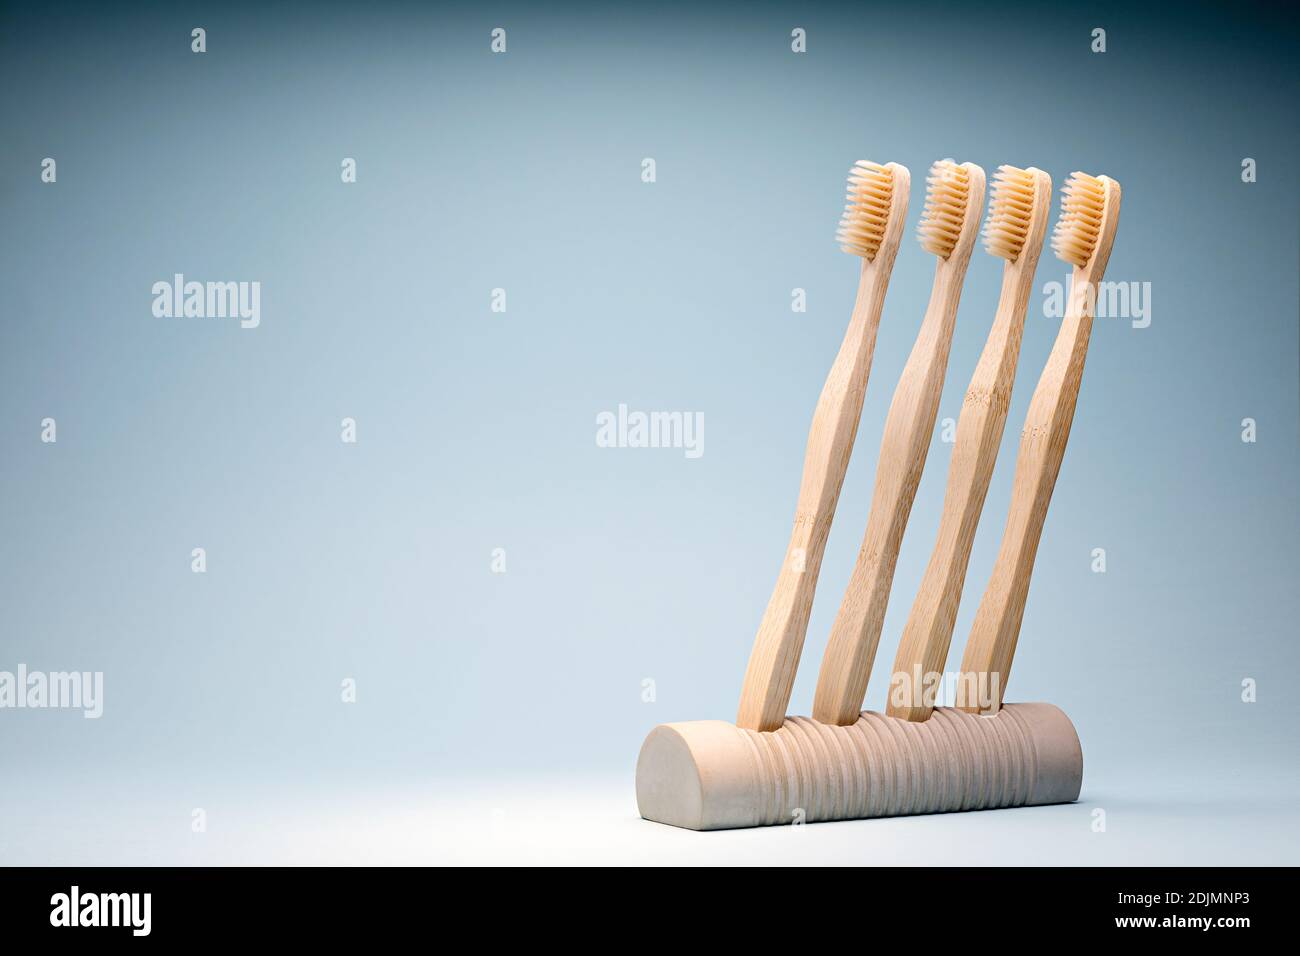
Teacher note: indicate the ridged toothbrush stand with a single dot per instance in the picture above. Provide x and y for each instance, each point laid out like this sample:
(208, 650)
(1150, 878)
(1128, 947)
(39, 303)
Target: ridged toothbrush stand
(711, 775)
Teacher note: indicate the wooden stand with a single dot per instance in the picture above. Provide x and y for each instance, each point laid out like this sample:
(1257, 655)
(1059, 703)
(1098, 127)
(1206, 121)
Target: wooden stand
(712, 775)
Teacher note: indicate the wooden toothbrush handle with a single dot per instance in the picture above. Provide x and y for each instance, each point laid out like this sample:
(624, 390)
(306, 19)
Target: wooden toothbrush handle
(986, 662)
(846, 666)
(774, 660)
(923, 650)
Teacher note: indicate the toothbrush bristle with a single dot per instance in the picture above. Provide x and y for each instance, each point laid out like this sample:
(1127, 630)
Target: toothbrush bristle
(1083, 200)
(862, 227)
(946, 192)
(1011, 211)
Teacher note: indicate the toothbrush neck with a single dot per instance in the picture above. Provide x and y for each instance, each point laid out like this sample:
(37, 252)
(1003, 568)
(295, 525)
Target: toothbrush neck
(1083, 296)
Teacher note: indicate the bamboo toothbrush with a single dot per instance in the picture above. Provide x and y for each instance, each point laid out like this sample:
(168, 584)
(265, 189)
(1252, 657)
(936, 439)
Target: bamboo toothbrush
(1083, 237)
(1019, 208)
(953, 203)
(870, 228)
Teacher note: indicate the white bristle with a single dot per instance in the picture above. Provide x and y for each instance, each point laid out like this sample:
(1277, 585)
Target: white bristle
(862, 227)
(1083, 201)
(1011, 212)
(947, 190)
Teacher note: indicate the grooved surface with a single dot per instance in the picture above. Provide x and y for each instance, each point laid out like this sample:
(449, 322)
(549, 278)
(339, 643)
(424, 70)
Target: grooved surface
(882, 766)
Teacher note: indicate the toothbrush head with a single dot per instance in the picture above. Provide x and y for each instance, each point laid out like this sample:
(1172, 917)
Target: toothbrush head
(947, 193)
(1012, 208)
(1083, 205)
(866, 214)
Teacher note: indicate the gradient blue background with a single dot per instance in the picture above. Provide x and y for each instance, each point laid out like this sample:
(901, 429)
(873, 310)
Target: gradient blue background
(477, 430)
